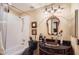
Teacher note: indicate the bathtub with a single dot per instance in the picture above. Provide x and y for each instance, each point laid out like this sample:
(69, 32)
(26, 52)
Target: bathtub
(18, 50)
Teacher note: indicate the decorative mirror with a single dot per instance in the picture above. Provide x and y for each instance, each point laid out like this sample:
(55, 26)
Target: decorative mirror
(52, 25)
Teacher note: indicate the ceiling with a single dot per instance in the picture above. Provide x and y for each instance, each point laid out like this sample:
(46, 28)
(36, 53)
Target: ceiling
(24, 7)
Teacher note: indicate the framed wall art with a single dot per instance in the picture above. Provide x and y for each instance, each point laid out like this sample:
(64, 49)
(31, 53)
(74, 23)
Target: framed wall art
(34, 31)
(34, 24)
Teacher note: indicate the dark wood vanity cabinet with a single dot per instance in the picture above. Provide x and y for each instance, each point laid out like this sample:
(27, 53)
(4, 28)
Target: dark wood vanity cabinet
(64, 49)
(66, 43)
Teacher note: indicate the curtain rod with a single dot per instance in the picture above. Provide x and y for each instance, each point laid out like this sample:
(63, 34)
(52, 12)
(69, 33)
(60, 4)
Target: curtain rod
(15, 8)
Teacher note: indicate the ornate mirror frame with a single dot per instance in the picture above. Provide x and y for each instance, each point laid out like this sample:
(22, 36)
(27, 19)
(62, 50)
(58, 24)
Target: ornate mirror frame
(57, 24)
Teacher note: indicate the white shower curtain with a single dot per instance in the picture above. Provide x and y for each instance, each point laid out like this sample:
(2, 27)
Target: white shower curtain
(3, 18)
(15, 35)
(1, 45)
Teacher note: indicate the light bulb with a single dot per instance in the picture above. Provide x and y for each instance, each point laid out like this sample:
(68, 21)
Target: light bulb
(46, 12)
(59, 10)
(52, 11)
(10, 3)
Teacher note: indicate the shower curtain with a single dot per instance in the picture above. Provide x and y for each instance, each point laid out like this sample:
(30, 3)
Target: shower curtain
(17, 39)
(11, 35)
(3, 18)
(1, 45)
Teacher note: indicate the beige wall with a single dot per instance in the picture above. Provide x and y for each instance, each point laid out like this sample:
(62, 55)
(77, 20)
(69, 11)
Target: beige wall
(67, 20)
